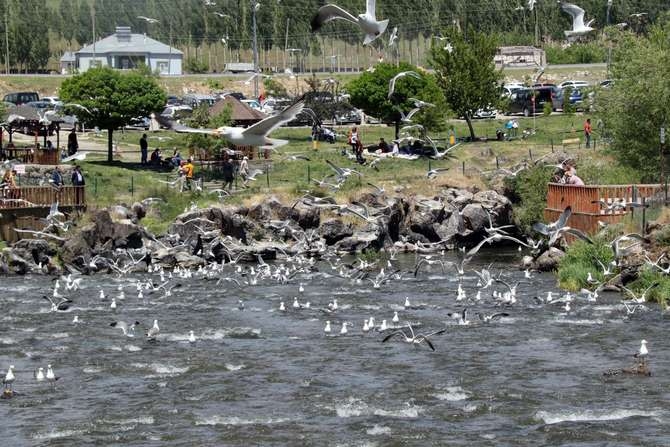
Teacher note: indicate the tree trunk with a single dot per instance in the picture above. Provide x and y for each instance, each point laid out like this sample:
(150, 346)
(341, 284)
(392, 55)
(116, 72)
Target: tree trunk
(110, 145)
(472, 129)
(397, 129)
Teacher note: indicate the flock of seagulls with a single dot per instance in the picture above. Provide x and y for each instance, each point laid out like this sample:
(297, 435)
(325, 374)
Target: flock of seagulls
(495, 297)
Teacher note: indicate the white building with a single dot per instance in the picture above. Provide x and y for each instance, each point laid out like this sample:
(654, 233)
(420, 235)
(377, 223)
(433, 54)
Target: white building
(520, 56)
(125, 50)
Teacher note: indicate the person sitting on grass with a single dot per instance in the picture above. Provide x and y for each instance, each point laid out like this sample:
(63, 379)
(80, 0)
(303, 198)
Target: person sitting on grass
(156, 157)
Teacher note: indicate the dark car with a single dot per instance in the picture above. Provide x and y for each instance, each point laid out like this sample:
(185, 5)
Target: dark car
(19, 98)
(528, 101)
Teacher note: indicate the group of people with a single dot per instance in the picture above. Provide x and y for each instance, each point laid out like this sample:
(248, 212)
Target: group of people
(567, 174)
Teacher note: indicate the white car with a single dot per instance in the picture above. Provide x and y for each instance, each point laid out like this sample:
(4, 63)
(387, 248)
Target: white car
(573, 84)
(53, 100)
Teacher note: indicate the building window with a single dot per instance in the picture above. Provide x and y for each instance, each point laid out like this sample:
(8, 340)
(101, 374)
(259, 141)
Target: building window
(163, 67)
(95, 63)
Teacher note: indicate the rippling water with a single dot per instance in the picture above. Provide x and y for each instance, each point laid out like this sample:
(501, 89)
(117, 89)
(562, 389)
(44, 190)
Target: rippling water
(262, 377)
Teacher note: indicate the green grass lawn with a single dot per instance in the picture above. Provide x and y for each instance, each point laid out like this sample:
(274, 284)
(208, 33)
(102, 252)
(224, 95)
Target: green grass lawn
(125, 181)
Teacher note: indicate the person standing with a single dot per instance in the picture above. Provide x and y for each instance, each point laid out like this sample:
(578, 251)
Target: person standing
(353, 139)
(72, 143)
(144, 149)
(57, 178)
(188, 173)
(587, 132)
(78, 181)
(244, 169)
(227, 169)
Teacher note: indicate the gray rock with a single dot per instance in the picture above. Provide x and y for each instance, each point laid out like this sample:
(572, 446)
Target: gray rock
(334, 230)
(475, 217)
(361, 241)
(549, 260)
(259, 212)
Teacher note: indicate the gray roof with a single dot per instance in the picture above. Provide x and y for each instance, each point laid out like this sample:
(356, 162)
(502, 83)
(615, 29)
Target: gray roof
(128, 43)
(68, 56)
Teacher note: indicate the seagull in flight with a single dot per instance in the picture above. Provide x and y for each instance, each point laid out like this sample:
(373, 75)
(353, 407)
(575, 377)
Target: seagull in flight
(62, 305)
(256, 135)
(367, 22)
(578, 26)
(413, 338)
(148, 19)
(401, 75)
(128, 331)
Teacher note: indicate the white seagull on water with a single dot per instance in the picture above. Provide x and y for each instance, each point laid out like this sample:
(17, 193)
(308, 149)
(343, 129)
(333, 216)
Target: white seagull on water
(367, 22)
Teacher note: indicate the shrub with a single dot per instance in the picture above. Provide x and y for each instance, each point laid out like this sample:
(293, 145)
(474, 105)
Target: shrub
(529, 191)
(193, 65)
(645, 279)
(580, 259)
(547, 109)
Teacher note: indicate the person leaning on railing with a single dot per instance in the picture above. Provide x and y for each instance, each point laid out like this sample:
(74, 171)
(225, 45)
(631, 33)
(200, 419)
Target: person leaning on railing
(9, 188)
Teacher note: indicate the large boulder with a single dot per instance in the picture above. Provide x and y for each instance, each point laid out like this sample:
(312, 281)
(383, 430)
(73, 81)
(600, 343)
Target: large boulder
(422, 223)
(548, 261)
(361, 241)
(334, 230)
(38, 250)
(475, 217)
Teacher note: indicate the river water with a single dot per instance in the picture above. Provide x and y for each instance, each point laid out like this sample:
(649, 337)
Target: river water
(259, 376)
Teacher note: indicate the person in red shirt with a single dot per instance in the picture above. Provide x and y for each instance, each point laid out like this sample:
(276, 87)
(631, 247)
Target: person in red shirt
(587, 132)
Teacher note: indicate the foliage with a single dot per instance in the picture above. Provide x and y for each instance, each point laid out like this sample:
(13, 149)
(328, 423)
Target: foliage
(529, 191)
(466, 73)
(603, 171)
(647, 277)
(546, 109)
(579, 53)
(580, 259)
(112, 98)
(223, 118)
(638, 104)
(369, 92)
(195, 66)
(200, 116)
(274, 88)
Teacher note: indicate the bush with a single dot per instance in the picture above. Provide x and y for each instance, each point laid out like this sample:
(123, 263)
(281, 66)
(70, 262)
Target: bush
(582, 258)
(547, 109)
(528, 191)
(645, 279)
(193, 65)
(581, 53)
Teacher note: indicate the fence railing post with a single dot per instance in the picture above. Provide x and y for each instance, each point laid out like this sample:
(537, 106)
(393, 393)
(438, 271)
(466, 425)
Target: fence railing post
(644, 215)
(267, 175)
(463, 167)
(309, 174)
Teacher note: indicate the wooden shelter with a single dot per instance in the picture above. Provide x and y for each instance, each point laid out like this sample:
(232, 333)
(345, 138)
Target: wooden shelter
(242, 114)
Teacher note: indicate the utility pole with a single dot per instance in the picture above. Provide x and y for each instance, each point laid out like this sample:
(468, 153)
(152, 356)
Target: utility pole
(286, 42)
(7, 37)
(95, 62)
(254, 6)
(609, 45)
(662, 140)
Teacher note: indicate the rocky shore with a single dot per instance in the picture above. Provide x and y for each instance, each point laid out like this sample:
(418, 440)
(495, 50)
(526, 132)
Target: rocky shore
(116, 240)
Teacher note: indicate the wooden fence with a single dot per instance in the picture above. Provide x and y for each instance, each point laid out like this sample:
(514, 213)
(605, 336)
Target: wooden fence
(30, 155)
(585, 202)
(43, 196)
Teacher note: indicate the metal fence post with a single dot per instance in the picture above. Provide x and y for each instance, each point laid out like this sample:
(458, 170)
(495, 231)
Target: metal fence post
(267, 176)
(552, 145)
(463, 168)
(497, 163)
(309, 174)
(644, 215)
(530, 154)
(132, 186)
(95, 186)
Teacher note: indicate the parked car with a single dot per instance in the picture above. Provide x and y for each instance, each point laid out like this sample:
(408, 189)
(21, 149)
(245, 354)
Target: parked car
(20, 98)
(253, 103)
(485, 113)
(173, 100)
(351, 117)
(140, 122)
(607, 83)
(326, 134)
(53, 100)
(532, 100)
(194, 100)
(40, 105)
(573, 84)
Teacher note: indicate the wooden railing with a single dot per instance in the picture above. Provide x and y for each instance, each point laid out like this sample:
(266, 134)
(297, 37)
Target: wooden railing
(43, 196)
(587, 210)
(29, 155)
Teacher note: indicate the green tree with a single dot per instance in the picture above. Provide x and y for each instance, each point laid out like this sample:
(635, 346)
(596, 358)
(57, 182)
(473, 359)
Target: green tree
(466, 73)
(638, 104)
(370, 90)
(112, 98)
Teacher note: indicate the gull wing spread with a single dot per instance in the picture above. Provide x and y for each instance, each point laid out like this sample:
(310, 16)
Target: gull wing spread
(329, 12)
(577, 14)
(265, 126)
